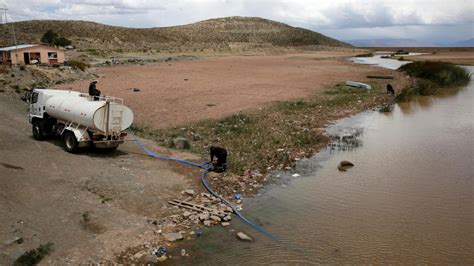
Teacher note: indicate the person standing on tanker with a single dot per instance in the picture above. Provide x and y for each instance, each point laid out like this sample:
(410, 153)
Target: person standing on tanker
(93, 91)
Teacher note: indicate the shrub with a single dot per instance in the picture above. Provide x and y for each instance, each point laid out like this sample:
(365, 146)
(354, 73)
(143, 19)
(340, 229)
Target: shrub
(440, 73)
(365, 55)
(62, 41)
(49, 36)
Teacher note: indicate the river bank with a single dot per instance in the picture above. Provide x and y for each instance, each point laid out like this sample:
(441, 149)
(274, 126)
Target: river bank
(405, 201)
(268, 139)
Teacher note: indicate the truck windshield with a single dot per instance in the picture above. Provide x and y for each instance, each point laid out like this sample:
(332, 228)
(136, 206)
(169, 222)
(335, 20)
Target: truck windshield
(34, 97)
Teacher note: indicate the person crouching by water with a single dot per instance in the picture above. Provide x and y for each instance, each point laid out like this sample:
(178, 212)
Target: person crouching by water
(221, 155)
(390, 90)
(93, 91)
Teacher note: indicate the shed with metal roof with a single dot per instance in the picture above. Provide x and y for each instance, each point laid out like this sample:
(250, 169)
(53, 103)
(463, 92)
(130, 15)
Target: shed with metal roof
(26, 54)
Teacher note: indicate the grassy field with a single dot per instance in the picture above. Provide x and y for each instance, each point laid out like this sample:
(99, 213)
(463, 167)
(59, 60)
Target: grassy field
(276, 136)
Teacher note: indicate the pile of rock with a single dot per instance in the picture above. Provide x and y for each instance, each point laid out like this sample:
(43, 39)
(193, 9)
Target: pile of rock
(203, 208)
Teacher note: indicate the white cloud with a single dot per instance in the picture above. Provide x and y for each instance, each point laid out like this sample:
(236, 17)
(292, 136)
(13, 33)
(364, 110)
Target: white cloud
(386, 16)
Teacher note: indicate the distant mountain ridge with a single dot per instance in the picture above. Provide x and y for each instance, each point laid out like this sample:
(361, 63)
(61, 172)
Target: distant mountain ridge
(220, 33)
(388, 42)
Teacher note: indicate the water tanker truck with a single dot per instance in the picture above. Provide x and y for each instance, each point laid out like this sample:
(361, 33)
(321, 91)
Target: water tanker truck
(79, 119)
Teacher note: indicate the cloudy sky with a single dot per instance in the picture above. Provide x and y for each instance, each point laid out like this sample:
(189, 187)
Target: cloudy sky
(423, 20)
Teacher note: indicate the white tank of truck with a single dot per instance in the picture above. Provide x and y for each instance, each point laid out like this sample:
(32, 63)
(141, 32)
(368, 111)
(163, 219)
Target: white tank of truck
(81, 120)
(92, 114)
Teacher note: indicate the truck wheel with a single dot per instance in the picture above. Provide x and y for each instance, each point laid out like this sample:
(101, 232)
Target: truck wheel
(70, 142)
(37, 130)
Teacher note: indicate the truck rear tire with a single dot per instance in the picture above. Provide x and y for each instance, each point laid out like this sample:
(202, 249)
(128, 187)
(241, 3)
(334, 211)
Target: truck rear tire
(70, 142)
(37, 129)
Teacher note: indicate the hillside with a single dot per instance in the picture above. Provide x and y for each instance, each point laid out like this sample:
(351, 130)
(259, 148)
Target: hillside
(222, 33)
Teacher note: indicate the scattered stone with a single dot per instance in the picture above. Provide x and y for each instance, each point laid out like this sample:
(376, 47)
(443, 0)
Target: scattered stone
(229, 209)
(243, 237)
(344, 165)
(172, 237)
(215, 218)
(227, 218)
(186, 214)
(196, 137)
(16, 239)
(183, 252)
(225, 224)
(139, 255)
(181, 143)
(203, 216)
(238, 201)
(207, 223)
(295, 175)
(162, 258)
(189, 192)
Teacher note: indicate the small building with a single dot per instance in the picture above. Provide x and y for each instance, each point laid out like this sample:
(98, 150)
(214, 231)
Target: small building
(26, 54)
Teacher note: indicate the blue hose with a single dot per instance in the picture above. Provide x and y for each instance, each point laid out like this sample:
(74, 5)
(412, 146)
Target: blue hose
(165, 157)
(236, 212)
(206, 185)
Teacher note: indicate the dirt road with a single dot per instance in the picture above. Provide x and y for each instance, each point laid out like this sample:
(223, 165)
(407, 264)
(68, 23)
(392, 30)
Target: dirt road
(90, 205)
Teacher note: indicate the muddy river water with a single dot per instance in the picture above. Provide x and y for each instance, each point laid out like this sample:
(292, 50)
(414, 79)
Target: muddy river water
(408, 199)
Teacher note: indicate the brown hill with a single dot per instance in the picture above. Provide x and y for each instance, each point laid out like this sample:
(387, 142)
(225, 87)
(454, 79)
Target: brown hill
(222, 33)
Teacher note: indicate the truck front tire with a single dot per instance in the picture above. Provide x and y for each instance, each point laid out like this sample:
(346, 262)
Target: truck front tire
(70, 142)
(37, 130)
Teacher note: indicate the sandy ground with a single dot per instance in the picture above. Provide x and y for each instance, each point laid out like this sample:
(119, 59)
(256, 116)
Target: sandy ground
(45, 191)
(175, 93)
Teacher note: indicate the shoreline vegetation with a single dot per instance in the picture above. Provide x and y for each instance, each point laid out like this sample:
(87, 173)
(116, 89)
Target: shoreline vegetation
(432, 78)
(274, 137)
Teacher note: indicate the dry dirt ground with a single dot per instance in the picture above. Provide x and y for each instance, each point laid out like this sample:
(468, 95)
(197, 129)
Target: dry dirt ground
(47, 194)
(175, 93)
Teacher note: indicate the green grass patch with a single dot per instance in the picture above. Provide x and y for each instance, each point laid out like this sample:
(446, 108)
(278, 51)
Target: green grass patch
(272, 136)
(344, 89)
(432, 78)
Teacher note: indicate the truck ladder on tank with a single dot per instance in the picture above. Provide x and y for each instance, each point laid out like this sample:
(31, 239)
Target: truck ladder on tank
(117, 121)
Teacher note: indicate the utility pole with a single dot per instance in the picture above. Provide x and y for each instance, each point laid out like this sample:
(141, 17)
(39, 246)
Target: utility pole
(4, 20)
